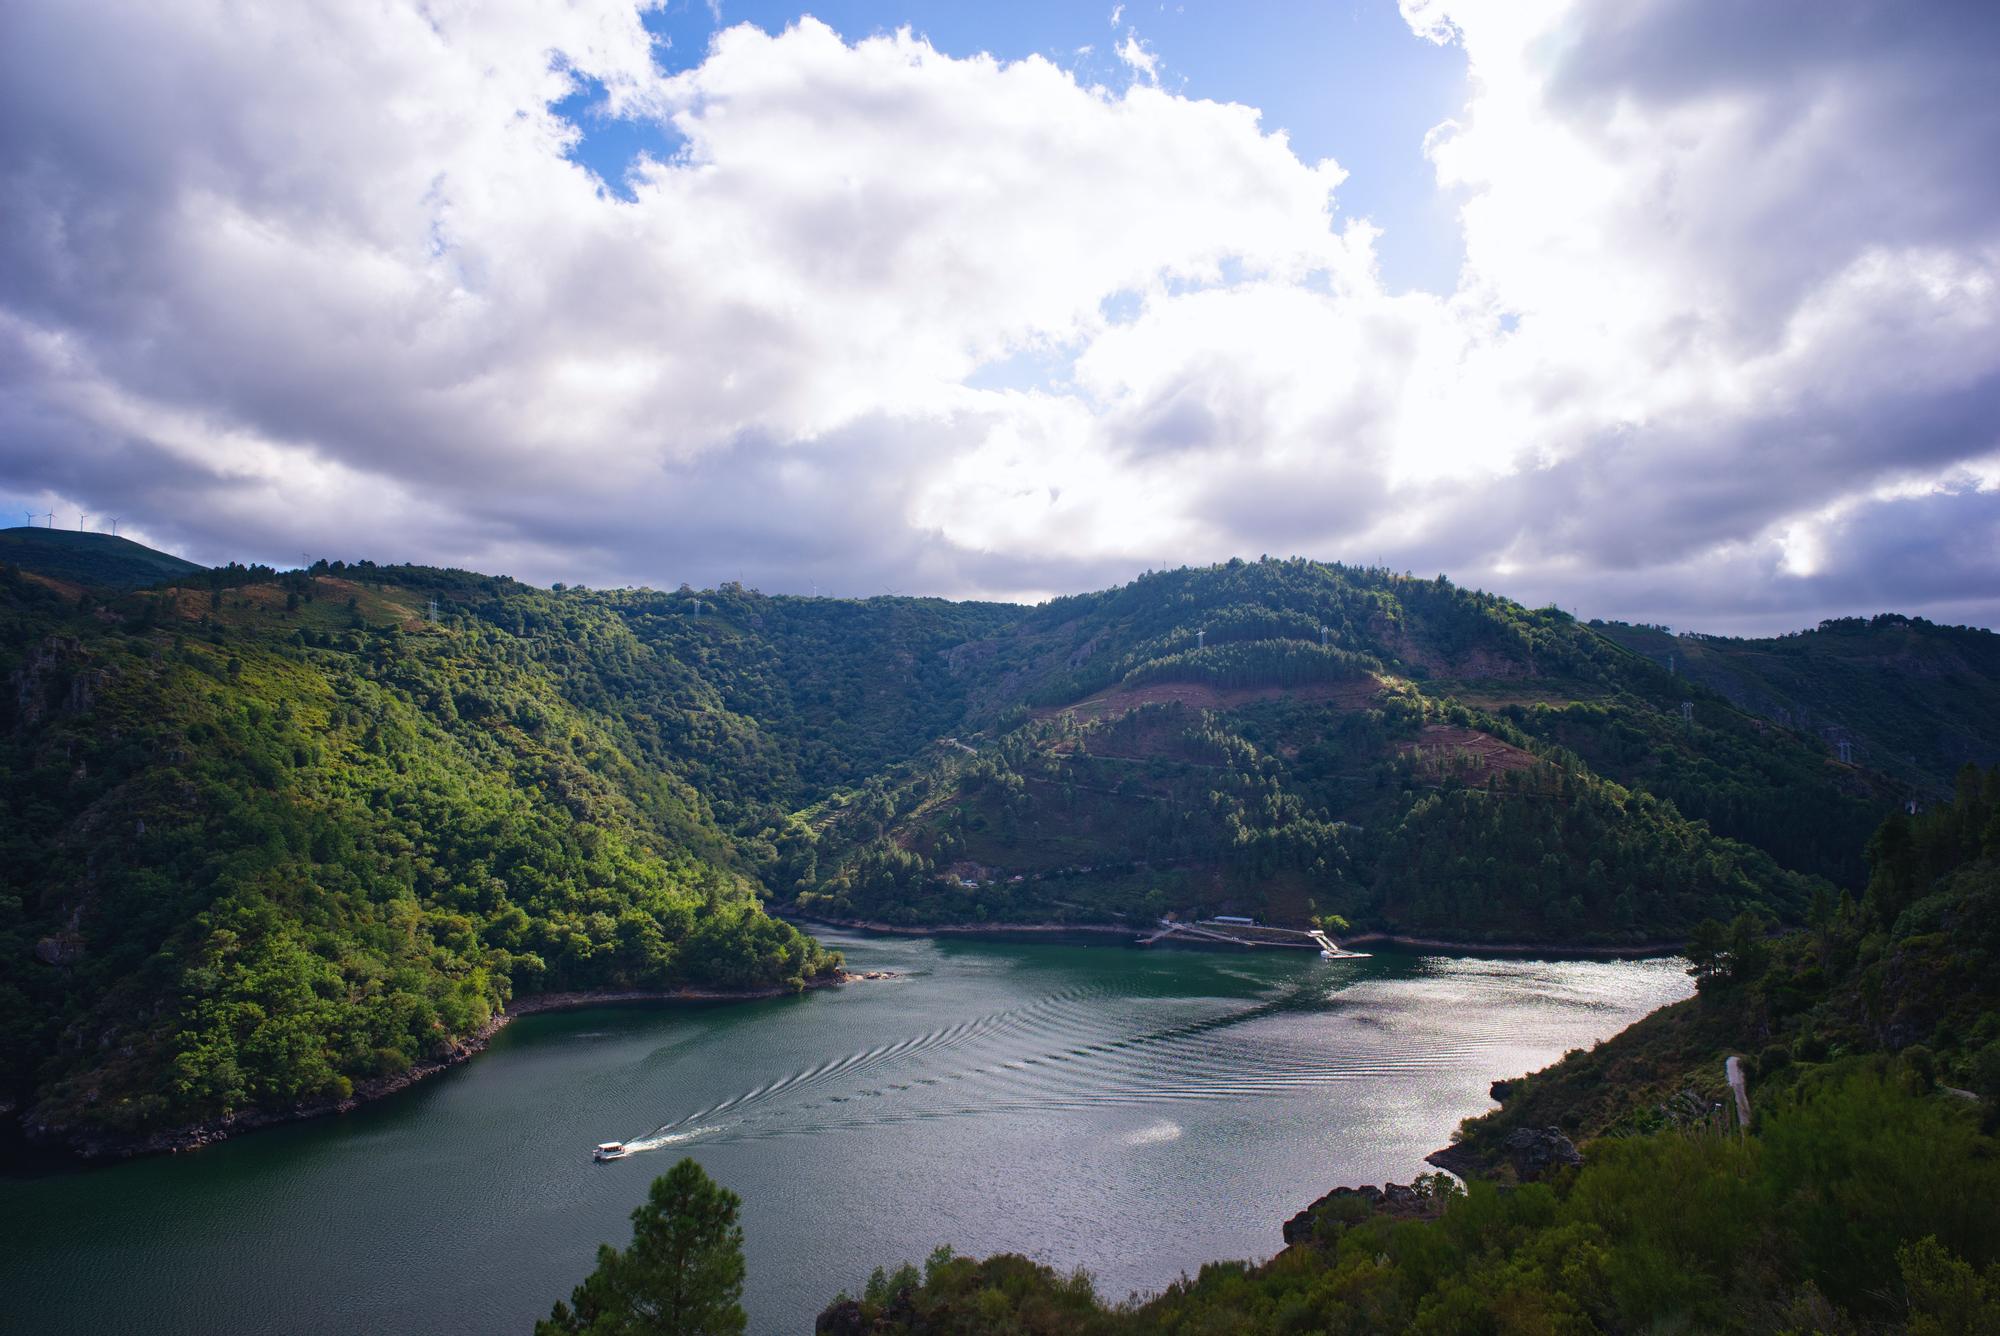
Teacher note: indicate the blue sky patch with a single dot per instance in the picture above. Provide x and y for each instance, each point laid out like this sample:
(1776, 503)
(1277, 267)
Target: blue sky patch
(609, 145)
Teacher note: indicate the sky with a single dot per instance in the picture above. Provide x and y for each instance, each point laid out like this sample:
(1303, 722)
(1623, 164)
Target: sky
(1679, 311)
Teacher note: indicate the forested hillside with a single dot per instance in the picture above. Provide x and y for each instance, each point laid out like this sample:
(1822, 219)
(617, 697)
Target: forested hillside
(761, 706)
(1909, 966)
(275, 835)
(1291, 739)
(1912, 699)
(1861, 1199)
(270, 840)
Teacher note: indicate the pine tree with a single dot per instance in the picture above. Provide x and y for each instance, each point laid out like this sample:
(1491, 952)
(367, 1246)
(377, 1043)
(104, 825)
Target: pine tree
(681, 1276)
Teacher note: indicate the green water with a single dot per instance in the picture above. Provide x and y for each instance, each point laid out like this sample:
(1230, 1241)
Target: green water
(1135, 1112)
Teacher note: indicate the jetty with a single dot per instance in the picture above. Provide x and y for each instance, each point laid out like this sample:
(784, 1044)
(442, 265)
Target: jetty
(1229, 930)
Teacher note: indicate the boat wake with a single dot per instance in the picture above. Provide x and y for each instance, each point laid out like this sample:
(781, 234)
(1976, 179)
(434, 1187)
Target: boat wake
(664, 1140)
(1081, 1049)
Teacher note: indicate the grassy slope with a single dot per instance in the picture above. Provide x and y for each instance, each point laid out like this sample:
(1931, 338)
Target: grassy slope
(96, 560)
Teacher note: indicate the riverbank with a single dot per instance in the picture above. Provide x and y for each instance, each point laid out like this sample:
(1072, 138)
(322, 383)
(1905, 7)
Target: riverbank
(1132, 936)
(997, 932)
(94, 1146)
(1631, 951)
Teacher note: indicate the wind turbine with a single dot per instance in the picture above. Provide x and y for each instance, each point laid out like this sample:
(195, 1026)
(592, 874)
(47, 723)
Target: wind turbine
(114, 526)
(83, 522)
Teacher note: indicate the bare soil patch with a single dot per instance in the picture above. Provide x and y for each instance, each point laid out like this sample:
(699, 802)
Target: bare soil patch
(1441, 742)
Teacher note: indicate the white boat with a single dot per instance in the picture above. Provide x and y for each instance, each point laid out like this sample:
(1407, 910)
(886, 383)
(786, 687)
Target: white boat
(610, 1150)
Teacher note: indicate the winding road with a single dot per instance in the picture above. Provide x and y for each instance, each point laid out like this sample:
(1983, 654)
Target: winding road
(1733, 1069)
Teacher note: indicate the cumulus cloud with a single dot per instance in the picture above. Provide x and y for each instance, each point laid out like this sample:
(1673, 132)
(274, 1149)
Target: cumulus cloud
(1723, 350)
(1140, 57)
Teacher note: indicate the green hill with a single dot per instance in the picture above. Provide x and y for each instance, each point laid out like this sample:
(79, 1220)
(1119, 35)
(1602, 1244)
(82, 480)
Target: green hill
(1912, 699)
(275, 843)
(272, 837)
(1290, 739)
(94, 560)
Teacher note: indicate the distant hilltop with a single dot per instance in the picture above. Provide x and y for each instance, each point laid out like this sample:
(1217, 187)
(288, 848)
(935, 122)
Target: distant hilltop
(99, 560)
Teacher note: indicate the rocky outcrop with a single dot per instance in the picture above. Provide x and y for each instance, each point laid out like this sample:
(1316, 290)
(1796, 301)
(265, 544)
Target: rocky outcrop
(1533, 1152)
(54, 679)
(1304, 1227)
(1457, 1159)
(1537, 1152)
(64, 948)
(1343, 1206)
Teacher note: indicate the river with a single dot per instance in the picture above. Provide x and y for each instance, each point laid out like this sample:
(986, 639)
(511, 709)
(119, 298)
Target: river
(1134, 1112)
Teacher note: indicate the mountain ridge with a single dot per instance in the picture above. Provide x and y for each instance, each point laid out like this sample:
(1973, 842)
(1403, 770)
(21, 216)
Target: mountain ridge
(272, 832)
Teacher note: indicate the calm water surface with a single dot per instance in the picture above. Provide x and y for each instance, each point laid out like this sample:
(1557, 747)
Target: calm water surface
(1134, 1112)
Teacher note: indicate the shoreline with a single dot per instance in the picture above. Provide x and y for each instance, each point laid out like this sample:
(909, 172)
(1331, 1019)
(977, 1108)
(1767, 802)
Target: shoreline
(1634, 951)
(998, 931)
(98, 1147)
(1032, 931)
